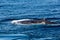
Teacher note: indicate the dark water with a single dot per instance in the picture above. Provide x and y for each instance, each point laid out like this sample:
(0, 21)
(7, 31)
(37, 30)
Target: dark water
(27, 9)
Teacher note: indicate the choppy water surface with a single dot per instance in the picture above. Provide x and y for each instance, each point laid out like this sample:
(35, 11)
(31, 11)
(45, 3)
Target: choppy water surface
(27, 9)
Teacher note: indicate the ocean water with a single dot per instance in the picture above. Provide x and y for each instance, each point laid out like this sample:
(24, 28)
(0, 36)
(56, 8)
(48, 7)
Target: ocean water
(27, 9)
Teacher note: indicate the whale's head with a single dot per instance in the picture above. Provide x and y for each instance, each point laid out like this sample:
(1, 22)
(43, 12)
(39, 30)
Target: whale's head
(18, 21)
(14, 22)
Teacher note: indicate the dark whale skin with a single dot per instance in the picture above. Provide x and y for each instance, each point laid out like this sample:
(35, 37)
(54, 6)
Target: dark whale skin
(36, 21)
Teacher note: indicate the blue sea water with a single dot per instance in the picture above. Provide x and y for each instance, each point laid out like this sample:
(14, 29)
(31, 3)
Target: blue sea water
(25, 9)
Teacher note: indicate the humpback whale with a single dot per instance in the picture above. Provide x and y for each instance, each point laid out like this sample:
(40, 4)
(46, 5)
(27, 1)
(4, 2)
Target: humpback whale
(32, 21)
